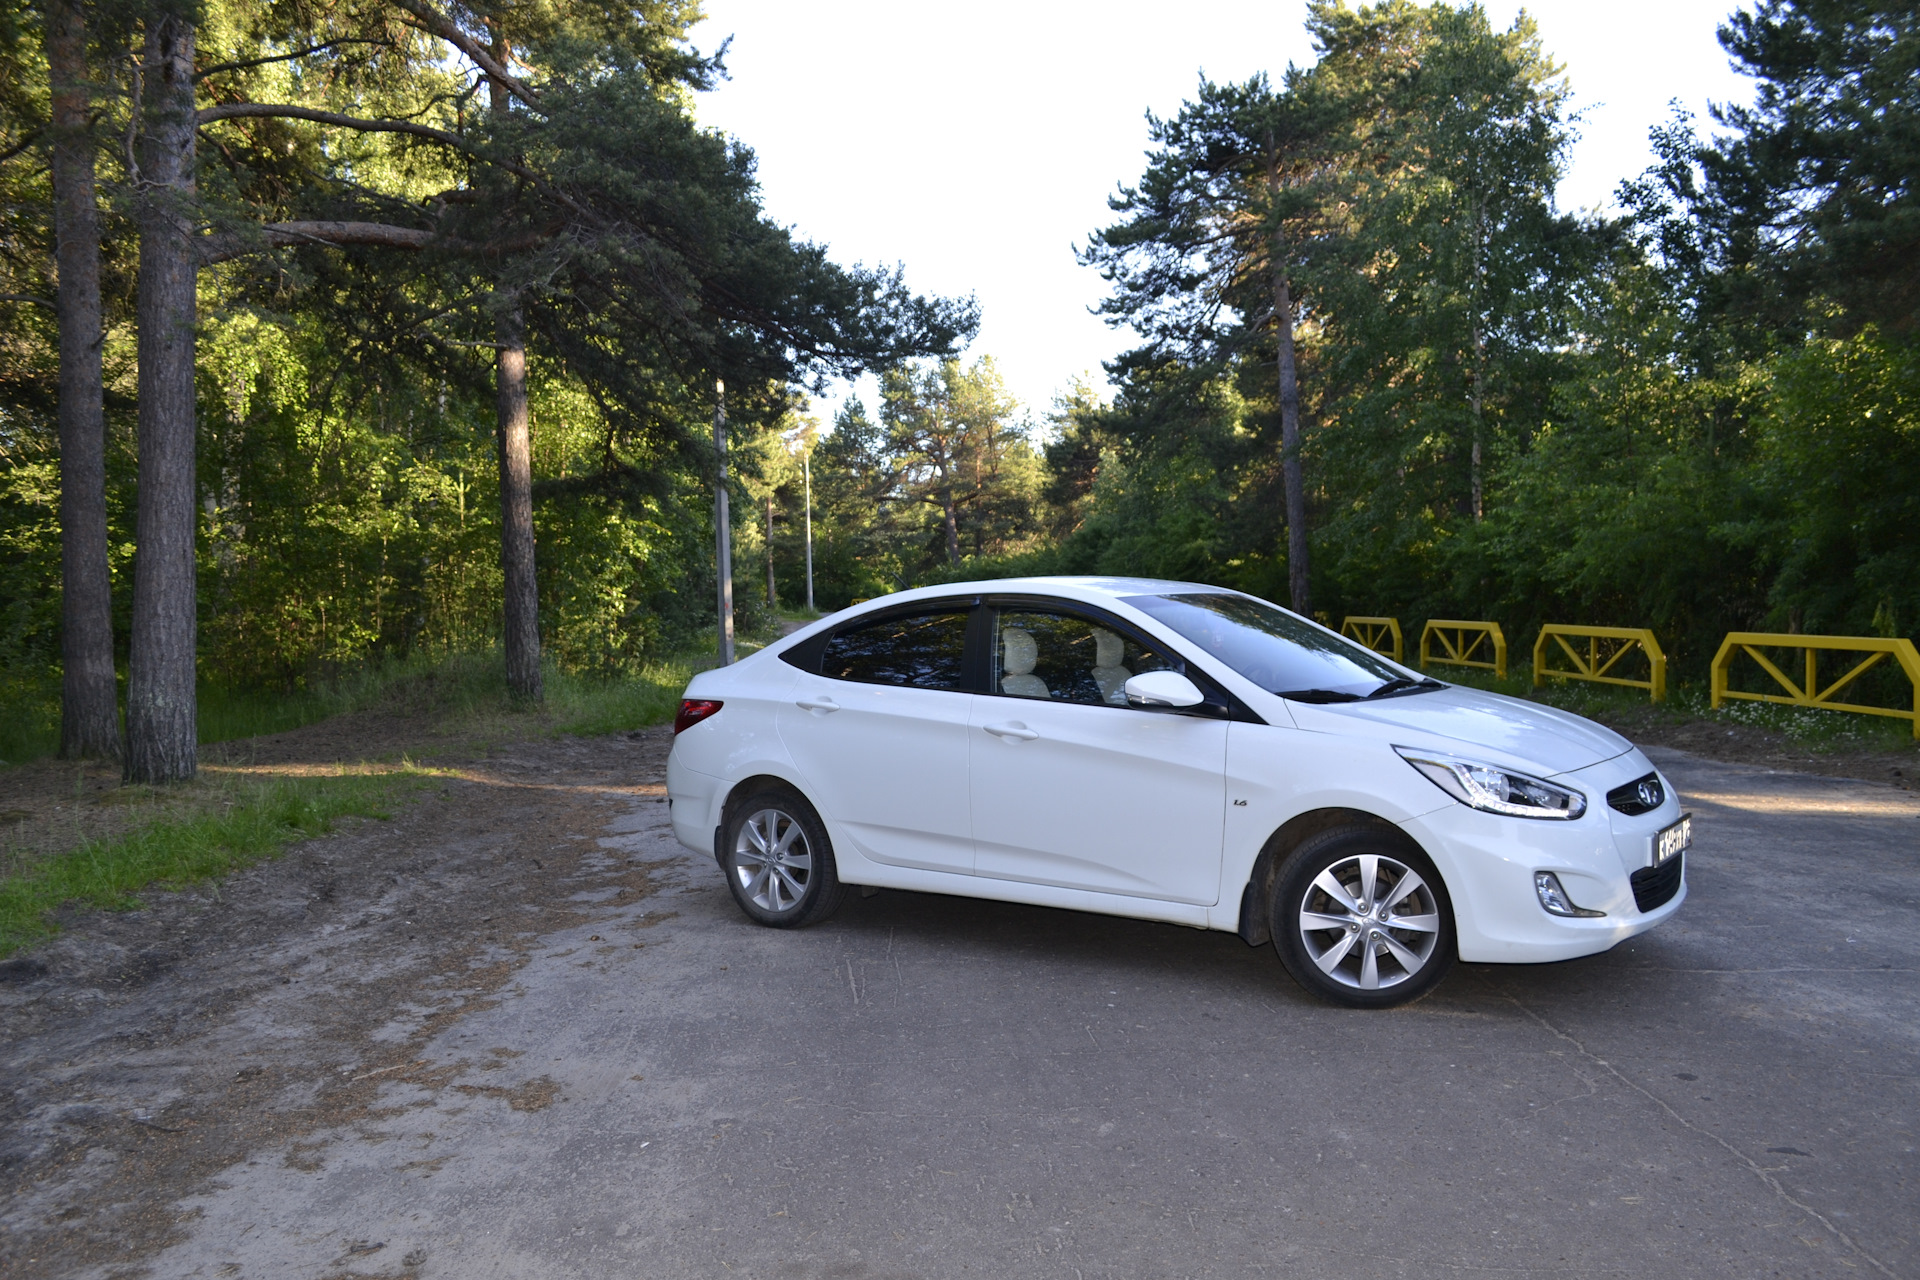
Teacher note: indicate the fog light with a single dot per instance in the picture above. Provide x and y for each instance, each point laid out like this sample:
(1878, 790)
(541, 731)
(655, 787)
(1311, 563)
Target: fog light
(1555, 899)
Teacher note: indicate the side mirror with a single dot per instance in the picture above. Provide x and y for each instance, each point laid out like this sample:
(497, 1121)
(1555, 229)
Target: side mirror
(1162, 689)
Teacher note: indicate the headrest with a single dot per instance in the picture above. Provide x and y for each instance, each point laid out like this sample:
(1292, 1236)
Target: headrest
(1019, 653)
(1108, 649)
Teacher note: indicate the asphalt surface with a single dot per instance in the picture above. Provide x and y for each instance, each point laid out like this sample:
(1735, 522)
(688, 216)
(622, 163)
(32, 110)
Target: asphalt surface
(933, 1087)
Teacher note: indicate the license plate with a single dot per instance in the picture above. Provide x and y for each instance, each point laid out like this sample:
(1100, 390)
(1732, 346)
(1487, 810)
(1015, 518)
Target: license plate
(1673, 841)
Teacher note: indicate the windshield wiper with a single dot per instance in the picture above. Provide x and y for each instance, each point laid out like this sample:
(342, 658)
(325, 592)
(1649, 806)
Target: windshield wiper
(1401, 683)
(1318, 695)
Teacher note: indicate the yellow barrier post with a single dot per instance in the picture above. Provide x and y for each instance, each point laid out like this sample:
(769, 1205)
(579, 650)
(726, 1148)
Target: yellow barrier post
(1458, 651)
(1374, 632)
(1810, 694)
(1599, 660)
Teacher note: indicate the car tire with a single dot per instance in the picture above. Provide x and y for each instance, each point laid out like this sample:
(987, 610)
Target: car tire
(1349, 926)
(778, 860)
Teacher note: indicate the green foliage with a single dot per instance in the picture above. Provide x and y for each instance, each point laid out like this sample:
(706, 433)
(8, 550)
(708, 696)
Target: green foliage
(1512, 413)
(1819, 173)
(1840, 453)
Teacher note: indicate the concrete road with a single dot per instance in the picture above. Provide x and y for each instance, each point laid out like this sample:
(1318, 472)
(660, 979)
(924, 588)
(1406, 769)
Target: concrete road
(934, 1087)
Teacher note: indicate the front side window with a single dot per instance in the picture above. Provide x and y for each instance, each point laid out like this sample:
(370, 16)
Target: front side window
(925, 651)
(1277, 650)
(1064, 658)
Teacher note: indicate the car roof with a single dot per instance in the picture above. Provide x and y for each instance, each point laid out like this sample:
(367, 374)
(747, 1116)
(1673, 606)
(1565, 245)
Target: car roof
(1112, 587)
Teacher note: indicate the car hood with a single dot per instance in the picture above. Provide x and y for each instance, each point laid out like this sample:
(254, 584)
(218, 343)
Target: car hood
(1475, 725)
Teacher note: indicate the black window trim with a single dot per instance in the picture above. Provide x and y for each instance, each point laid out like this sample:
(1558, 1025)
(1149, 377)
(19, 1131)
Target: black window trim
(1220, 702)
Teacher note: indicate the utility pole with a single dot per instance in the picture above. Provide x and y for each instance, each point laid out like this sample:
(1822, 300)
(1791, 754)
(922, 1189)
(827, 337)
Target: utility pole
(806, 472)
(722, 530)
(773, 600)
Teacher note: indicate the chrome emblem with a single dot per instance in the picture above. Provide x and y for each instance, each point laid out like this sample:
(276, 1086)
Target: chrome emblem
(1651, 795)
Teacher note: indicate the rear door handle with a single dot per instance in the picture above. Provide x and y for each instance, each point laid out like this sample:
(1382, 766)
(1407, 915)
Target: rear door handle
(822, 704)
(1012, 729)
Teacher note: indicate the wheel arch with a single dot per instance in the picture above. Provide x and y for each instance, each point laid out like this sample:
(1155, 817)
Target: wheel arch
(1256, 926)
(745, 787)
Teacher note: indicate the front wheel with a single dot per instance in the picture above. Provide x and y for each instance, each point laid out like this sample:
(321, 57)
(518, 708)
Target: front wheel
(778, 860)
(1360, 918)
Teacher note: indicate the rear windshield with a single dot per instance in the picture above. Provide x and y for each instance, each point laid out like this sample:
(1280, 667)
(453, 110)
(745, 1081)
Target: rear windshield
(1277, 650)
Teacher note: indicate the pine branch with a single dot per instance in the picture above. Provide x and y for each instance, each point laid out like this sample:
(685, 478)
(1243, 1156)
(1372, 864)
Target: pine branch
(435, 23)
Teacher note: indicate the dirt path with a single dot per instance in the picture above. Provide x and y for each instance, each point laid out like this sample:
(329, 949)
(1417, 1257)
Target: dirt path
(147, 1051)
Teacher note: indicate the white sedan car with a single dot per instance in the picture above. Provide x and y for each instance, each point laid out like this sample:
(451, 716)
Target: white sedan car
(1172, 752)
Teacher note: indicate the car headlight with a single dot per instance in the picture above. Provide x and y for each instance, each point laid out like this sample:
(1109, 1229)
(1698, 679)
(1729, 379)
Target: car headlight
(1484, 787)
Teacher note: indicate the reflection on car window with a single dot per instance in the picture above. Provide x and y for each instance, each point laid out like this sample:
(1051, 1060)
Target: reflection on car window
(1277, 650)
(925, 651)
(1065, 659)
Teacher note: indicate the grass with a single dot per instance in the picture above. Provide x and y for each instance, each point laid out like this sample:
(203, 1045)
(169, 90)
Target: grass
(461, 686)
(242, 822)
(231, 819)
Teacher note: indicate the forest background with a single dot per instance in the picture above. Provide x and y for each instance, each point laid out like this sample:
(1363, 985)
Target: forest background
(1380, 370)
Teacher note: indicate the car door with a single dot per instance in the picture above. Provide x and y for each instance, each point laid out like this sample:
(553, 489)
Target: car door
(878, 729)
(1073, 787)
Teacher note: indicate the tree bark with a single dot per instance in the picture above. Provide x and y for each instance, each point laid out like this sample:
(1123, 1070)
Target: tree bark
(520, 614)
(521, 591)
(89, 701)
(161, 722)
(953, 526)
(1477, 396)
(1292, 478)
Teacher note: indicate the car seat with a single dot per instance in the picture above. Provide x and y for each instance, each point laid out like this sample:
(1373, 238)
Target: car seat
(1019, 655)
(1109, 667)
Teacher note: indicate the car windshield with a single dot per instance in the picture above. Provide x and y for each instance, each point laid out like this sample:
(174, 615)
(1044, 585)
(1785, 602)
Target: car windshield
(1277, 650)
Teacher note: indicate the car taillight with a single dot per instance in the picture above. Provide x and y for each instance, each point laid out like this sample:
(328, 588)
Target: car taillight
(693, 711)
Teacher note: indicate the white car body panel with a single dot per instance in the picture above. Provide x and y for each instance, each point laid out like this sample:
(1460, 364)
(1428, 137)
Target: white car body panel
(917, 795)
(890, 766)
(1106, 799)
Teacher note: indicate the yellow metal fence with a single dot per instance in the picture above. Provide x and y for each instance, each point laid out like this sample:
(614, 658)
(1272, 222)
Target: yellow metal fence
(1461, 645)
(1604, 648)
(1809, 693)
(1376, 633)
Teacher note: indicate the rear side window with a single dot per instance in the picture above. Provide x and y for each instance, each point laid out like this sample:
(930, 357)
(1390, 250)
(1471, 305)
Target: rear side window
(926, 651)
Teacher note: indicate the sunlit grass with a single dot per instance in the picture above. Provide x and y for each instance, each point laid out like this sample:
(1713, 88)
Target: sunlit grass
(241, 820)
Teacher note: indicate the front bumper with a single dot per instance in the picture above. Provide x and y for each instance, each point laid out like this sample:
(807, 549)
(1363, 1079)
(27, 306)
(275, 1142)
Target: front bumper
(1488, 862)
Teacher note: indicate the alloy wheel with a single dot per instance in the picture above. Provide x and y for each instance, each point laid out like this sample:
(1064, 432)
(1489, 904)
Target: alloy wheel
(772, 860)
(1369, 922)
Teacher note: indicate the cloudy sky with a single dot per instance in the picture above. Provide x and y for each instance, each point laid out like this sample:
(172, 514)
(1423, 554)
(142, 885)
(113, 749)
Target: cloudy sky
(977, 143)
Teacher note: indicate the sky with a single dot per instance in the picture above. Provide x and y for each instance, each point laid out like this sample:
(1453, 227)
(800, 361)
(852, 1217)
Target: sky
(977, 144)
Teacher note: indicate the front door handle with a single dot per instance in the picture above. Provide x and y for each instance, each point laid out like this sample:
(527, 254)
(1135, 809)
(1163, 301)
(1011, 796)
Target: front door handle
(822, 704)
(1011, 729)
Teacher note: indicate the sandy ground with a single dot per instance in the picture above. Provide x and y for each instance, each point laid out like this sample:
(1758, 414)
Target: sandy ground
(516, 1031)
(170, 1042)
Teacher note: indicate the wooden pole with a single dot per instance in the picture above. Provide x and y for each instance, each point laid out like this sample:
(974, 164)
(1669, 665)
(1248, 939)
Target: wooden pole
(806, 472)
(722, 526)
(772, 598)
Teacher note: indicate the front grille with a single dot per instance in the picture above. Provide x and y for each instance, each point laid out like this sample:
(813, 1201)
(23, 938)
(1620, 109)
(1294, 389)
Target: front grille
(1642, 795)
(1655, 886)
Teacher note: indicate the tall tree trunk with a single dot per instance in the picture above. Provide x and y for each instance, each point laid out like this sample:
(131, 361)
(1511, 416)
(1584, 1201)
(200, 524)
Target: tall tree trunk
(161, 724)
(520, 587)
(773, 598)
(953, 526)
(722, 526)
(89, 703)
(1293, 480)
(521, 615)
(1477, 396)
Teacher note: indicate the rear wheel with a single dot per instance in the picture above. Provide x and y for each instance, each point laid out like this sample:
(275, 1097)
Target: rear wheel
(778, 860)
(1360, 918)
